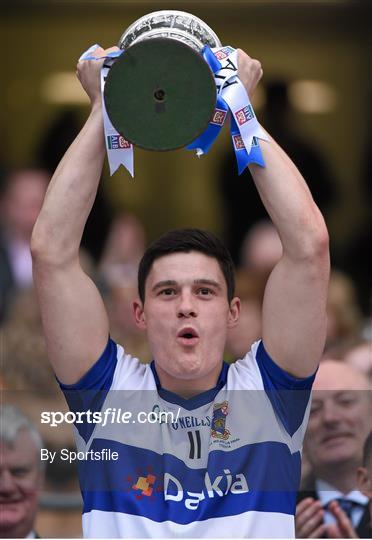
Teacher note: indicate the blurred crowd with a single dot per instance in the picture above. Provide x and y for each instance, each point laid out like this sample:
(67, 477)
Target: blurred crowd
(111, 259)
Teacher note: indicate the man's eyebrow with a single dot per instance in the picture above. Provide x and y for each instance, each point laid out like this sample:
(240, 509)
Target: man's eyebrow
(205, 281)
(164, 283)
(173, 283)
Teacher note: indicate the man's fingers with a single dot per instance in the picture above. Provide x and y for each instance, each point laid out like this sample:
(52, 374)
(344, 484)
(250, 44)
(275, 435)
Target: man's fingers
(319, 532)
(344, 524)
(307, 528)
(112, 49)
(99, 52)
(305, 503)
(306, 510)
(309, 514)
(333, 532)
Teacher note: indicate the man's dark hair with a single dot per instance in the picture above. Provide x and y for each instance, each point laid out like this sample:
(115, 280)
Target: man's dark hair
(184, 241)
(367, 452)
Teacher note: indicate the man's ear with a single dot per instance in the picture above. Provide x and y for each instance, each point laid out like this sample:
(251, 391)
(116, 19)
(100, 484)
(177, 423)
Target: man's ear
(364, 482)
(139, 314)
(234, 312)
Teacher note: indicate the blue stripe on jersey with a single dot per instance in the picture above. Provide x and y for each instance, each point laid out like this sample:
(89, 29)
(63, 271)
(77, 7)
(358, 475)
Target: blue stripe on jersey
(288, 395)
(91, 390)
(136, 483)
(196, 401)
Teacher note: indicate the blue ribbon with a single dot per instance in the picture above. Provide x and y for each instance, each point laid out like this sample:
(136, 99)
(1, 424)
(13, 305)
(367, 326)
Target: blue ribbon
(242, 157)
(207, 138)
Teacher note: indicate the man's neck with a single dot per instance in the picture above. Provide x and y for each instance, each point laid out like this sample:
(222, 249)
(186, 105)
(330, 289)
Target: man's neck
(341, 476)
(188, 388)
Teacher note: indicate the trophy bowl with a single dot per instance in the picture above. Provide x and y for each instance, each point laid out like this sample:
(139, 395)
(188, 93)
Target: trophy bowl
(171, 24)
(160, 93)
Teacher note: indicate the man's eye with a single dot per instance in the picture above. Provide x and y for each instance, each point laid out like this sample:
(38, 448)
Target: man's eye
(19, 471)
(346, 400)
(167, 292)
(205, 291)
(315, 408)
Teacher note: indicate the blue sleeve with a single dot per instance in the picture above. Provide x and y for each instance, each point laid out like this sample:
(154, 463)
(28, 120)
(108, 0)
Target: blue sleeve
(90, 392)
(288, 395)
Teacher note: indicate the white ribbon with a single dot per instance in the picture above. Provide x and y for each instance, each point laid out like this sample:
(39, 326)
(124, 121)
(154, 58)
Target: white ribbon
(232, 90)
(119, 150)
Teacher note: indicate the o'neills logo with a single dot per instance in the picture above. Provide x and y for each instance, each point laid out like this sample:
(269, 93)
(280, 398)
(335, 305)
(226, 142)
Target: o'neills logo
(222, 485)
(220, 412)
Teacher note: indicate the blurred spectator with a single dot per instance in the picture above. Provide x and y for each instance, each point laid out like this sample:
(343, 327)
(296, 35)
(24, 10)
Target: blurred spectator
(29, 382)
(344, 324)
(360, 357)
(118, 269)
(25, 365)
(21, 198)
(355, 259)
(53, 145)
(250, 289)
(119, 303)
(261, 249)
(339, 423)
(21, 474)
(241, 201)
(124, 247)
(365, 475)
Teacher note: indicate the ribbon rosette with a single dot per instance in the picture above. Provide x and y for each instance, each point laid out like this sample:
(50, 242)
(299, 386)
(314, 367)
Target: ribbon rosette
(232, 100)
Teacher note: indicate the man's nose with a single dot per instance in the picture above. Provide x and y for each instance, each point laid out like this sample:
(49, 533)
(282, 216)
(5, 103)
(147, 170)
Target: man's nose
(331, 413)
(187, 305)
(7, 483)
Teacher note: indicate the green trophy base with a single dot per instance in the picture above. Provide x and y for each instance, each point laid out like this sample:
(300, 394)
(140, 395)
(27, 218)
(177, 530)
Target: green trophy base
(160, 94)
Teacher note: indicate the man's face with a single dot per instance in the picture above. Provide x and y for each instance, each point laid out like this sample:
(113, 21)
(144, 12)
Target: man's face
(23, 201)
(340, 417)
(20, 483)
(186, 315)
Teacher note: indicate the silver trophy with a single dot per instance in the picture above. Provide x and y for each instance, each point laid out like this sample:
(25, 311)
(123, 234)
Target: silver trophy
(170, 24)
(160, 94)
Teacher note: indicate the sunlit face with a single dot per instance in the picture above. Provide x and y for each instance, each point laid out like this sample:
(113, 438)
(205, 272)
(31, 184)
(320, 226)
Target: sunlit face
(340, 418)
(20, 483)
(186, 315)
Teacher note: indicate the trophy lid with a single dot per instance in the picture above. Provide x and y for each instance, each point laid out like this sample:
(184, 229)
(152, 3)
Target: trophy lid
(172, 24)
(160, 94)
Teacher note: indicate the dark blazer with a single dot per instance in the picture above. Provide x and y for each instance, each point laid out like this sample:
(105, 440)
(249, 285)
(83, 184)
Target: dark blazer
(363, 530)
(7, 284)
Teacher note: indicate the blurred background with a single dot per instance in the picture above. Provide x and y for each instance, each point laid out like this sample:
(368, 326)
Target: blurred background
(315, 99)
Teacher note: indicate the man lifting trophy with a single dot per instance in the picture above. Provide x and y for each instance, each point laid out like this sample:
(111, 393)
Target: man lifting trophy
(226, 460)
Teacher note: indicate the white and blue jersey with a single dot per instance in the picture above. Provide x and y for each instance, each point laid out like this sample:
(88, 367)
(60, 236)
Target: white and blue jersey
(227, 465)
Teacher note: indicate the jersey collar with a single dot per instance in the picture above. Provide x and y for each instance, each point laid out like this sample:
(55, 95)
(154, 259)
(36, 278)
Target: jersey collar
(196, 401)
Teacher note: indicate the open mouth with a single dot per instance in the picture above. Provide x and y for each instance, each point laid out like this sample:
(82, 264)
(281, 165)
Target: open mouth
(187, 336)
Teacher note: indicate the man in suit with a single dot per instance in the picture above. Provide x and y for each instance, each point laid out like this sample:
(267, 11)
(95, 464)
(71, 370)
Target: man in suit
(365, 477)
(340, 420)
(21, 474)
(21, 195)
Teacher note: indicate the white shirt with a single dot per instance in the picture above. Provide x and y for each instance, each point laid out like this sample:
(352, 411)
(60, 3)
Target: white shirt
(328, 493)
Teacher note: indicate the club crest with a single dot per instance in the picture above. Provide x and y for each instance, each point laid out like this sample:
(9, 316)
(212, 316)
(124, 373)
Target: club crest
(220, 412)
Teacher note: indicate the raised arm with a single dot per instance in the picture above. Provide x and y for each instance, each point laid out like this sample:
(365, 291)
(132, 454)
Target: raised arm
(73, 314)
(294, 307)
